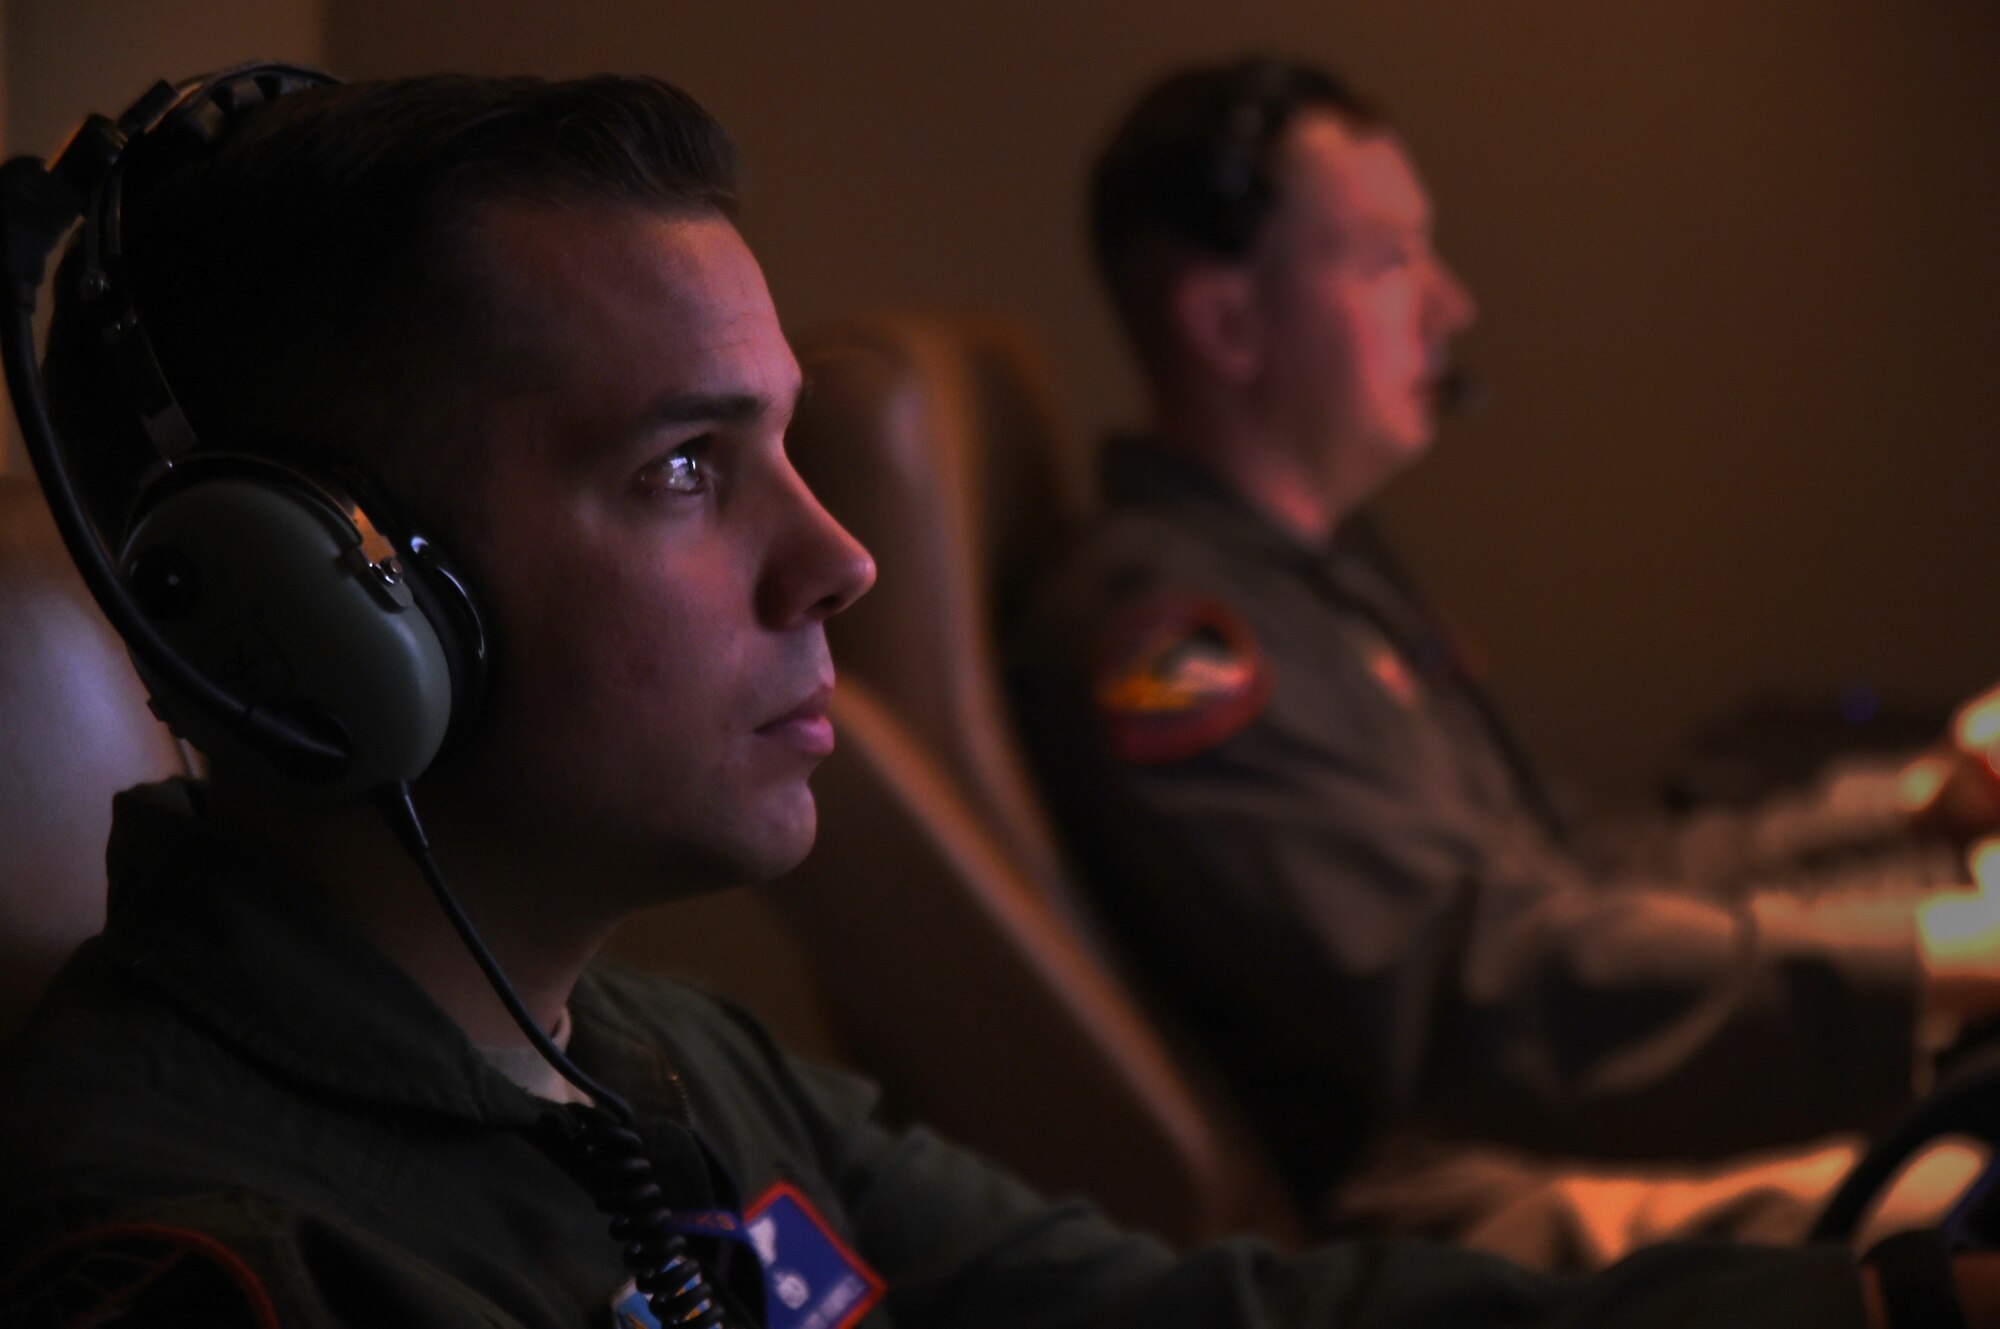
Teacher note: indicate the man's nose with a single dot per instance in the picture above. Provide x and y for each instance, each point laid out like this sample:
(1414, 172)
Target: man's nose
(1452, 307)
(816, 569)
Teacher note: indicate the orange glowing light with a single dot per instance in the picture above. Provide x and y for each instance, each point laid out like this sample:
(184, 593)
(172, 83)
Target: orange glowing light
(1924, 1191)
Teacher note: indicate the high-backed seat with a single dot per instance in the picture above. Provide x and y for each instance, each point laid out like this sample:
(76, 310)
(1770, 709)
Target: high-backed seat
(936, 902)
(933, 439)
(74, 729)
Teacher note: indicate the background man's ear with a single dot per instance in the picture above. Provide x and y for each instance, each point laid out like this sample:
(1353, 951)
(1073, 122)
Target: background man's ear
(1214, 309)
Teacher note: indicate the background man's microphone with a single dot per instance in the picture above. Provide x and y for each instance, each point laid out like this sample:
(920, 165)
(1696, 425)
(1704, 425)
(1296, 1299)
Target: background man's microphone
(1460, 391)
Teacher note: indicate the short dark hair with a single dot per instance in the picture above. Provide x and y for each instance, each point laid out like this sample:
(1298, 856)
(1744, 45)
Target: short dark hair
(1189, 174)
(305, 282)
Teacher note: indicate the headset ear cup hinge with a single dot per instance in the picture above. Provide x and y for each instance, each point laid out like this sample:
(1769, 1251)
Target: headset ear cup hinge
(143, 382)
(92, 153)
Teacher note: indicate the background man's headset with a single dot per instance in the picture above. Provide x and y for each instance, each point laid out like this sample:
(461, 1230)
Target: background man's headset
(289, 617)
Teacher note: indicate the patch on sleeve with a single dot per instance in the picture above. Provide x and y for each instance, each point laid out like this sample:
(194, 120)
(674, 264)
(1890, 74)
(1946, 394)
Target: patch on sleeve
(141, 1274)
(811, 1279)
(1176, 676)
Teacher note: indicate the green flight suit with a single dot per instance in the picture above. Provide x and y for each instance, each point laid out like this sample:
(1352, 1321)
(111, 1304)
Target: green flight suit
(1326, 858)
(227, 1060)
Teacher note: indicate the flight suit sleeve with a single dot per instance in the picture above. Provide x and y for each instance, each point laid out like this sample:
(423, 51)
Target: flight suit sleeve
(1355, 942)
(1467, 973)
(1849, 828)
(962, 1245)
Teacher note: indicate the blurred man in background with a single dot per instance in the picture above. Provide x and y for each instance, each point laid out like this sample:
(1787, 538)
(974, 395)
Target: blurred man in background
(1305, 818)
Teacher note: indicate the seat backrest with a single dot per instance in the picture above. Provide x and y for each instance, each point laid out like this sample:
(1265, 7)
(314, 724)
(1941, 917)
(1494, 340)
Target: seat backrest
(933, 439)
(982, 1012)
(74, 729)
(734, 943)
(936, 903)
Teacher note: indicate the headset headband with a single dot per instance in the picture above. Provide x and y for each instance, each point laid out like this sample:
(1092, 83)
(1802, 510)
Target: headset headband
(38, 207)
(188, 117)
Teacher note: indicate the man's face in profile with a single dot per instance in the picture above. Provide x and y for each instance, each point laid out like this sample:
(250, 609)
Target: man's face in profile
(1357, 310)
(656, 571)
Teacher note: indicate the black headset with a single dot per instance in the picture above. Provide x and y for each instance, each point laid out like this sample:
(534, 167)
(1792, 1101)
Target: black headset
(289, 615)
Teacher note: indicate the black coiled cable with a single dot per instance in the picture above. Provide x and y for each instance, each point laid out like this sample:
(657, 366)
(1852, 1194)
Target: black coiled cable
(610, 1161)
(596, 1145)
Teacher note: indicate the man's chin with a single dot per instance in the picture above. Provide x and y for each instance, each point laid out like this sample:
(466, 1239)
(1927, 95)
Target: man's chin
(653, 869)
(775, 859)
(1390, 453)
(779, 841)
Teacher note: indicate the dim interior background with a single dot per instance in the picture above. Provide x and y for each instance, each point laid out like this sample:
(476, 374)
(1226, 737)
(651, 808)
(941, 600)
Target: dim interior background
(1738, 266)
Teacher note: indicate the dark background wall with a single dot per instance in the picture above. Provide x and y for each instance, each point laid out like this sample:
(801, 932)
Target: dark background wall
(1741, 297)
(66, 58)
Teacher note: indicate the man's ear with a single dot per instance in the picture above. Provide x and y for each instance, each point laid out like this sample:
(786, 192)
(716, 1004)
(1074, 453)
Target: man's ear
(1216, 319)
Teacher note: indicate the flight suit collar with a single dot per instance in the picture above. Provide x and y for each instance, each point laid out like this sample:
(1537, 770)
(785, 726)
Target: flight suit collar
(255, 955)
(1138, 473)
(1141, 474)
(1355, 569)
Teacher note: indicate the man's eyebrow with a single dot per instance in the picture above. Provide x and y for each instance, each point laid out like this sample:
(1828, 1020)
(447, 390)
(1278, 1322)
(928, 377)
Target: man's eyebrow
(1391, 231)
(692, 408)
(724, 408)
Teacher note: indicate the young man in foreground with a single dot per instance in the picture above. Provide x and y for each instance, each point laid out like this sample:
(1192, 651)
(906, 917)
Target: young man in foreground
(277, 1090)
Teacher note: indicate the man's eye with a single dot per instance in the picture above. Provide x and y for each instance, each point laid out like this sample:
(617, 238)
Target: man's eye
(1392, 260)
(682, 471)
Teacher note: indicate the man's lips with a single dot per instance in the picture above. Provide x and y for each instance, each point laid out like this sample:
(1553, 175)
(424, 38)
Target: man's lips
(805, 726)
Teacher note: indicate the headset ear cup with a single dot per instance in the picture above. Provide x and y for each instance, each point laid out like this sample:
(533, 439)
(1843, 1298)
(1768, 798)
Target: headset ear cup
(442, 594)
(257, 577)
(446, 599)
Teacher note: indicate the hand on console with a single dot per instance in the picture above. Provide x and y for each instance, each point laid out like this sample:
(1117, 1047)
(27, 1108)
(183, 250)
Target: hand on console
(1954, 789)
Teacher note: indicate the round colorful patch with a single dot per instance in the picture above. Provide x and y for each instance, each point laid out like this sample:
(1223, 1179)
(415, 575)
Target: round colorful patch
(1177, 675)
